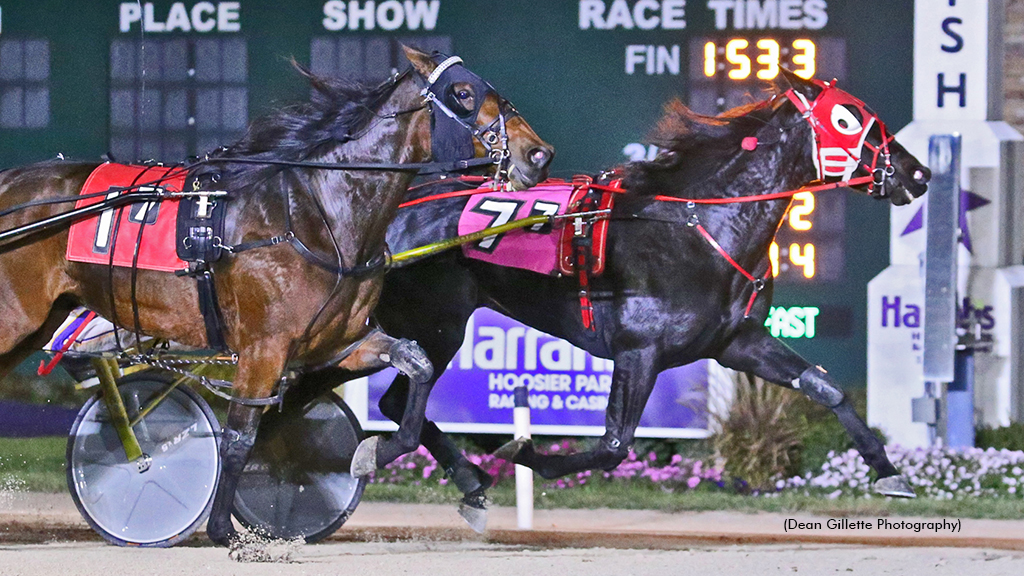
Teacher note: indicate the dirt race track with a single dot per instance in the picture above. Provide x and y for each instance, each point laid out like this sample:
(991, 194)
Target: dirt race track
(446, 557)
(42, 534)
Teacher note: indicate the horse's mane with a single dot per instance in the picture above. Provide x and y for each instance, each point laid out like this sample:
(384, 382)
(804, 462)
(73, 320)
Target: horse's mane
(694, 145)
(338, 111)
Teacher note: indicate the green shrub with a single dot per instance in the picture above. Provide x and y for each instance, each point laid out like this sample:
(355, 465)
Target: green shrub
(1009, 437)
(760, 439)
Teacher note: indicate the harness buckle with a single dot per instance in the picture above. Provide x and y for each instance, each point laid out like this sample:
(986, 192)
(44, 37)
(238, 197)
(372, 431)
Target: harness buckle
(577, 224)
(758, 284)
(218, 242)
(692, 220)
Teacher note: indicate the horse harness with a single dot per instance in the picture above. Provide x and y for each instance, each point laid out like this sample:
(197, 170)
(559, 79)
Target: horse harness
(202, 209)
(201, 218)
(838, 140)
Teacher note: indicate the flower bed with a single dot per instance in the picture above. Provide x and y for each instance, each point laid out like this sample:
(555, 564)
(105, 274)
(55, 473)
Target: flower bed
(938, 473)
(678, 474)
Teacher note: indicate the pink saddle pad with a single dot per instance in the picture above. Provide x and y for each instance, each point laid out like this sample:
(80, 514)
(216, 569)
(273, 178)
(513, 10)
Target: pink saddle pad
(533, 248)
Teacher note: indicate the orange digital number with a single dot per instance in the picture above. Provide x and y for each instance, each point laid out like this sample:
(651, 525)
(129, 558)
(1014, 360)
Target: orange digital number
(798, 212)
(803, 257)
(710, 65)
(734, 55)
(773, 257)
(805, 59)
(770, 59)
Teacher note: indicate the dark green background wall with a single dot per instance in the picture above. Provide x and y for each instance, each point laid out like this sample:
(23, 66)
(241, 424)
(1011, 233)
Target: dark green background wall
(569, 83)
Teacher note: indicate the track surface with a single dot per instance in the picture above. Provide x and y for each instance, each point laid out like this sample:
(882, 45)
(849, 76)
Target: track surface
(43, 534)
(433, 557)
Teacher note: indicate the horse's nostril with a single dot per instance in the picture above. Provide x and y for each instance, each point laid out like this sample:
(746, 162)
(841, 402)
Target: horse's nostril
(922, 175)
(540, 157)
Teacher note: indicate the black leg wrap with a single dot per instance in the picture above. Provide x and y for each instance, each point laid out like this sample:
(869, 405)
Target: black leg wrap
(551, 466)
(469, 478)
(611, 453)
(814, 384)
(235, 447)
(237, 440)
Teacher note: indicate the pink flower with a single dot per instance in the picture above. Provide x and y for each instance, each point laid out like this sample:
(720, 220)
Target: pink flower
(692, 482)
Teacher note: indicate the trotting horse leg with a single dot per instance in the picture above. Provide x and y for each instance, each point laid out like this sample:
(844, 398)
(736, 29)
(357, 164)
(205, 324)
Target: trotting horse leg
(632, 383)
(237, 440)
(467, 477)
(754, 350)
(259, 368)
(409, 359)
(444, 296)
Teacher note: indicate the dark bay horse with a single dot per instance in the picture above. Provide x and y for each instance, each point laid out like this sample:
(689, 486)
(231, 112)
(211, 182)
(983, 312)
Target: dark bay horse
(667, 296)
(283, 308)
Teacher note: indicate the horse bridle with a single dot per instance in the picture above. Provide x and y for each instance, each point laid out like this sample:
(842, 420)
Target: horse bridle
(446, 138)
(830, 131)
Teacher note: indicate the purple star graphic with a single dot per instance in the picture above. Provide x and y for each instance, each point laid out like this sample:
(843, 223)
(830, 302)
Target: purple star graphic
(968, 201)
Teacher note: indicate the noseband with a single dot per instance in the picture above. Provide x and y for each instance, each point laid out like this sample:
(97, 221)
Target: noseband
(839, 136)
(452, 133)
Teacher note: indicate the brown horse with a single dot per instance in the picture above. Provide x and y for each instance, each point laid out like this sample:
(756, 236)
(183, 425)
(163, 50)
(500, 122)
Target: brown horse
(282, 308)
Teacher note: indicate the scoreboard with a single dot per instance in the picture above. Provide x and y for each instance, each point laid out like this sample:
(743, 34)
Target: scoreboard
(167, 78)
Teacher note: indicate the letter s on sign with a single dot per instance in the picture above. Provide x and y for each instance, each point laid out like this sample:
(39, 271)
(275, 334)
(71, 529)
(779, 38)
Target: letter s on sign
(334, 15)
(958, 40)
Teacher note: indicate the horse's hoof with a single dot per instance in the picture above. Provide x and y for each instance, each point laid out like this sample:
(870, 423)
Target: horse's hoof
(221, 536)
(364, 461)
(473, 510)
(511, 449)
(896, 486)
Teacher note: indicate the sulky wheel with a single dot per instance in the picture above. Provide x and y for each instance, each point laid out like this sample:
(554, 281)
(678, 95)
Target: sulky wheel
(297, 482)
(168, 502)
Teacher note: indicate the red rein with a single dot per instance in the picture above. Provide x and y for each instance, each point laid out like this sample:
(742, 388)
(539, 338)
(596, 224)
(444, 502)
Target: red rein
(615, 187)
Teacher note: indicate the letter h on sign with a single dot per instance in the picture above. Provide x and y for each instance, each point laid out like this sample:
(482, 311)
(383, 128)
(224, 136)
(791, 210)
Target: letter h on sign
(960, 89)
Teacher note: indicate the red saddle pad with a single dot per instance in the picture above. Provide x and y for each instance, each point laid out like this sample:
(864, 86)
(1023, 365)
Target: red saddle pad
(93, 239)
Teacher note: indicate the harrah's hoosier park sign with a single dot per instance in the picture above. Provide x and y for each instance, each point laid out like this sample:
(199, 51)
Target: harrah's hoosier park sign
(568, 388)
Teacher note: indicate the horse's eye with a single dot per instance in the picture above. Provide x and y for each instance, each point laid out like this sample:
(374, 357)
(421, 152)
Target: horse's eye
(844, 121)
(463, 94)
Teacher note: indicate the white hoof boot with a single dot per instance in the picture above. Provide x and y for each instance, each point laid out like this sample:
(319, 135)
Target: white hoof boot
(475, 517)
(896, 486)
(510, 449)
(364, 461)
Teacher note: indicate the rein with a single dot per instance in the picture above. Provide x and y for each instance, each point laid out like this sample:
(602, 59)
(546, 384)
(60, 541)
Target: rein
(875, 180)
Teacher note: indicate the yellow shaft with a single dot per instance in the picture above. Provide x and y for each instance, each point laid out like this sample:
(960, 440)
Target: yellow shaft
(406, 257)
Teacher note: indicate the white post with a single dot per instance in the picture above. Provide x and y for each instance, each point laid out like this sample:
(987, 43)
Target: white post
(524, 475)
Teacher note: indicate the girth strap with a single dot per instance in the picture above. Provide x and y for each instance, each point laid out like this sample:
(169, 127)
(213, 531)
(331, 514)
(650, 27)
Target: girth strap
(210, 309)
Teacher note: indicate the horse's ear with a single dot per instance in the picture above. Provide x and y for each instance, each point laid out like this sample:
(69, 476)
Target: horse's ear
(421, 61)
(319, 85)
(788, 79)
